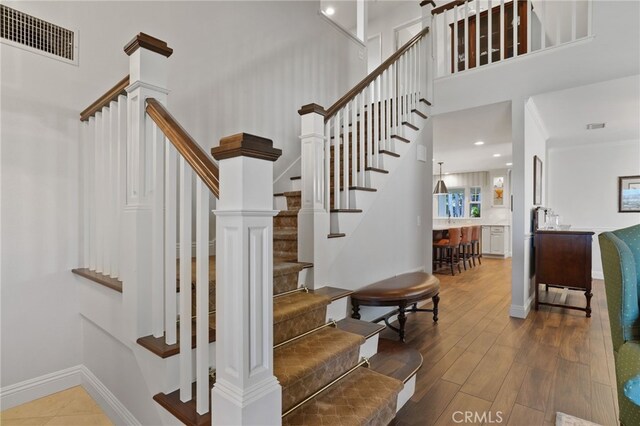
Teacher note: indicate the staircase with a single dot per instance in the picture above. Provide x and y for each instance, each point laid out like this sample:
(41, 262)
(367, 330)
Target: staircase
(311, 364)
(312, 351)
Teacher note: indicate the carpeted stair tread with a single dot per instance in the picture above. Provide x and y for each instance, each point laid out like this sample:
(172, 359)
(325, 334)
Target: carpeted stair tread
(297, 313)
(293, 305)
(299, 358)
(284, 268)
(287, 213)
(310, 362)
(363, 398)
(285, 234)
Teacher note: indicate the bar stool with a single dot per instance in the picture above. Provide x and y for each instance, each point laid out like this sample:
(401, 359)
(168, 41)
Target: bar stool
(465, 246)
(476, 231)
(449, 249)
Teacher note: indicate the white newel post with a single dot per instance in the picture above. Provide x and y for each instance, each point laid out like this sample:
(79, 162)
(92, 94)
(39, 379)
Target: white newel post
(313, 217)
(429, 69)
(147, 78)
(246, 392)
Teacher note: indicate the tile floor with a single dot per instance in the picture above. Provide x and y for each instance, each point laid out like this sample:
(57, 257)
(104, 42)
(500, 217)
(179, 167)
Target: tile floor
(72, 407)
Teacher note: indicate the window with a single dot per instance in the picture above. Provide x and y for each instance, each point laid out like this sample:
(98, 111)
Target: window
(455, 203)
(475, 201)
(28, 32)
(452, 204)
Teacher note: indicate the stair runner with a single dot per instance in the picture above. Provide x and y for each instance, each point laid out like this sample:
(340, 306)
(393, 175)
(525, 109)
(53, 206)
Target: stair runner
(308, 363)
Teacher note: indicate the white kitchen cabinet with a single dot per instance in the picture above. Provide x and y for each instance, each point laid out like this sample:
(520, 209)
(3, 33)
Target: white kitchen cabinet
(496, 240)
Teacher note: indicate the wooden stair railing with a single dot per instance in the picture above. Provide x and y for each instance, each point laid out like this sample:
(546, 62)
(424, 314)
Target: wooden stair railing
(376, 111)
(197, 158)
(104, 100)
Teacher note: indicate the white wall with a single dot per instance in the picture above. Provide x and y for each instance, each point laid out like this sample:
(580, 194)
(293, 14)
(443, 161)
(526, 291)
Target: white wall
(585, 186)
(237, 66)
(611, 53)
(396, 14)
(40, 325)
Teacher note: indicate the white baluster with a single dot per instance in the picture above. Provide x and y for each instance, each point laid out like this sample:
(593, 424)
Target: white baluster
(383, 109)
(376, 122)
(515, 28)
(412, 93)
(345, 157)
(354, 143)
(477, 46)
(86, 193)
(327, 165)
(370, 126)
(574, 14)
(121, 189)
(456, 48)
(361, 139)
(436, 40)
(466, 36)
(405, 87)
(202, 297)
(157, 235)
(104, 193)
(170, 230)
(186, 368)
(336, 161)
(502, 27)
(529, 12)
(91, 198)
(98, 166)
(543, 25)
(113, 189)
(489, 32)
(389, 105)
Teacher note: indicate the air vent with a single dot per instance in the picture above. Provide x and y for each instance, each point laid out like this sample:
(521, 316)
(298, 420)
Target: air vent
(594, 126)
(26, 31)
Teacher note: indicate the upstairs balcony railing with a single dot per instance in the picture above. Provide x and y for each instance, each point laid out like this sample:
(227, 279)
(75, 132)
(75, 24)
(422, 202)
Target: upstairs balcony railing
(462, 39)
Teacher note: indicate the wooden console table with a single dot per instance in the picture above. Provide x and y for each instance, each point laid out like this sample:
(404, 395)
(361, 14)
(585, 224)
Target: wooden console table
(563, 259)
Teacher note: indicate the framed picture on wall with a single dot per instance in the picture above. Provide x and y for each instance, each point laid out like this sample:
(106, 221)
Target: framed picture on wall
(537, 181)
(629, 194)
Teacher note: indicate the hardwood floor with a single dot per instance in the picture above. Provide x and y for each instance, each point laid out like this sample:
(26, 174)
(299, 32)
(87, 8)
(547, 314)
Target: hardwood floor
(512, 371)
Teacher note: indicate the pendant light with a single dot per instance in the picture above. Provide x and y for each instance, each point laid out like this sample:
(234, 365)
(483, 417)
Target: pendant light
(440, 188)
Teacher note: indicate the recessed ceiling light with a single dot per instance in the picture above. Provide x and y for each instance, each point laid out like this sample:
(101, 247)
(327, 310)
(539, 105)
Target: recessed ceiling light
(329, 11)
(594, 126)
(496, 155)
(478, 143)
(509, 164)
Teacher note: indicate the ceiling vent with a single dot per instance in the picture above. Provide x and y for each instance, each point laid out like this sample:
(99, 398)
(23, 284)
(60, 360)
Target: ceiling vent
(28, 32)
(593, 126)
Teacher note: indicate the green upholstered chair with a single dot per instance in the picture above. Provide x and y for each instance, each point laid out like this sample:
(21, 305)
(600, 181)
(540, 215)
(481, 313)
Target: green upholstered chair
(620, 252)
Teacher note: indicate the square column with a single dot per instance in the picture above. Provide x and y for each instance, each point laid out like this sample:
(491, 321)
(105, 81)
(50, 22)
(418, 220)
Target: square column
(246, 392)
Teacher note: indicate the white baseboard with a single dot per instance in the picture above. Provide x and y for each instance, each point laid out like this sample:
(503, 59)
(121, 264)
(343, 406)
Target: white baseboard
(79, 375)
(518, 311)
(597, 275)
(112, 406)
(38, 387)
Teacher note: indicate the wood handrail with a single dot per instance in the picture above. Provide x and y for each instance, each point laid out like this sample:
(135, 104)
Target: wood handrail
(447, 6)
(104, 100)
(374, 74)
(186, 146)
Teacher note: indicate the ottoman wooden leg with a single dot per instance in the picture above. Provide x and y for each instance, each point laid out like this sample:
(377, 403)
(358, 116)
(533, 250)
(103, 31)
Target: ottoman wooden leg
(402, 319)
(435, 300)
(356, 310)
